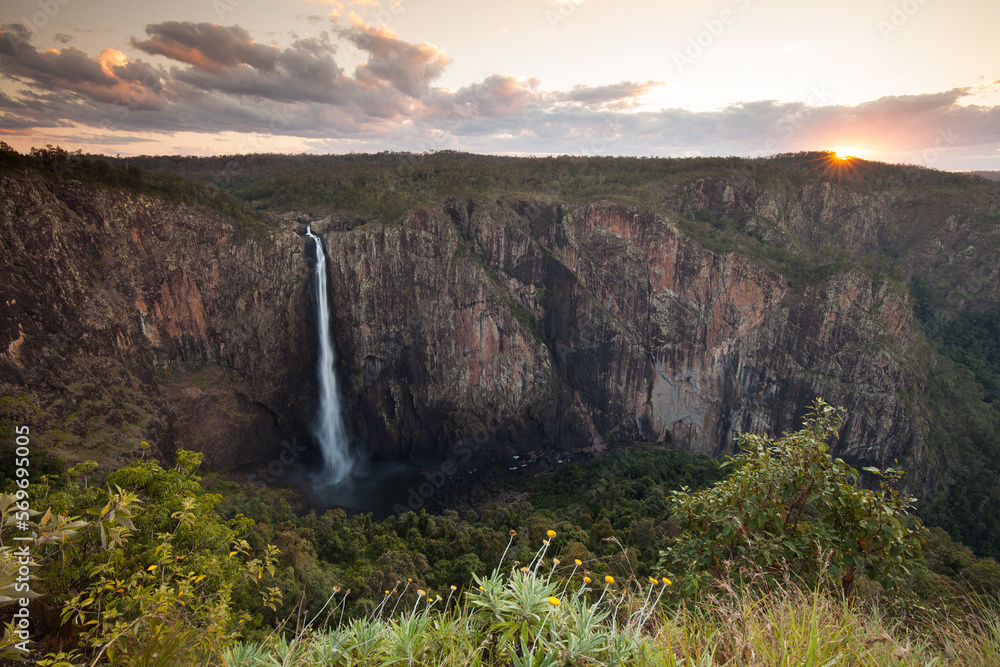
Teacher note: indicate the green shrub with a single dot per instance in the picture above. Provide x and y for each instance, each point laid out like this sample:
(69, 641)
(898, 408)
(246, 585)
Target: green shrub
(790, 509)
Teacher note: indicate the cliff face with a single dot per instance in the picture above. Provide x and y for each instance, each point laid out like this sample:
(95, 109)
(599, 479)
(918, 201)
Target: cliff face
(477, 327)
(572, 327)
(128, 317)
(945, 235)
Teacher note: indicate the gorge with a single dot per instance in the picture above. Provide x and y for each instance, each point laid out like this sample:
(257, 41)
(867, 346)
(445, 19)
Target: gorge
(546, 308)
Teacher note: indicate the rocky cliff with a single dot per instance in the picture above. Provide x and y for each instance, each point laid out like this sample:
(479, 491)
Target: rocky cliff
(489, 326)
(946, 233)
(130, 317)
(575, 327)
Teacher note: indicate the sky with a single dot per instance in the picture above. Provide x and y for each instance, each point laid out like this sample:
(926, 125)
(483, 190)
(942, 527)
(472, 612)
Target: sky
(904, 81)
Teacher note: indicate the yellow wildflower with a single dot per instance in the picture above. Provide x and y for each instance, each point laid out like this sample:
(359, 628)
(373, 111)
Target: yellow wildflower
(609, 579)
(421, 592)
(586, 580)
(667, 581)
(578, 561)
(551, 534)
(554, 601)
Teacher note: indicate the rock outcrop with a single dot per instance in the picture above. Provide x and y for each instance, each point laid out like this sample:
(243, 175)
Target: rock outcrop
(472, 328)
(130, 318)
(573, 327)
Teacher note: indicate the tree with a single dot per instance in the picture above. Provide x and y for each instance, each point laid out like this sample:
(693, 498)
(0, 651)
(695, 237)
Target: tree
(144, 566)
(790, 509)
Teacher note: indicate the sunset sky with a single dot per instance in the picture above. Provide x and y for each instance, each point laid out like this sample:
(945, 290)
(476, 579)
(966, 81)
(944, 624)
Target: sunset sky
(913, 81)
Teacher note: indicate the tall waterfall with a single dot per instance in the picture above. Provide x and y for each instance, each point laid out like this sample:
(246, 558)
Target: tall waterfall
(328, 427)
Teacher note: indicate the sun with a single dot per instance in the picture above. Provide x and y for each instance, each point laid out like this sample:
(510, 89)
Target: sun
(839, 164)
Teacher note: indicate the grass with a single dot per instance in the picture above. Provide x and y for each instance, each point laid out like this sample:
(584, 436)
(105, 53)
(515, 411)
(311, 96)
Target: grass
(532, 616)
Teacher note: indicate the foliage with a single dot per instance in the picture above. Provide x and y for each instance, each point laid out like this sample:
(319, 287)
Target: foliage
(963, 419)
(18, 559)
(973, 341)
(174, 577)
(143, 566)
(527, 618)
(60, 165)
(622, 493)
(789, 509)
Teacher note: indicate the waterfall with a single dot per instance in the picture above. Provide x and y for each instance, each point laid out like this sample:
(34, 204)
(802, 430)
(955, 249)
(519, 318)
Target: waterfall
(328, 427)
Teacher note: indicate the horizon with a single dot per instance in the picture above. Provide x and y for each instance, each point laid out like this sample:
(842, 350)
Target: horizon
(738, 78)
(846, 161)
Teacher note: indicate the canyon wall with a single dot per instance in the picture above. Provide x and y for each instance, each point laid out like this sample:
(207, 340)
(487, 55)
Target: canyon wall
(576, 327)
(131, 318)
(541, 328)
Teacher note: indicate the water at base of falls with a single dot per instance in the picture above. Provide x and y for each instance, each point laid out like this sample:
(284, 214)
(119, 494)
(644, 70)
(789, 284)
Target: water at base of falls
(328, 427)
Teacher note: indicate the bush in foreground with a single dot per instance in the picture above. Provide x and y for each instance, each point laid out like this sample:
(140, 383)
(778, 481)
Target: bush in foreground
(530, 618)
(789, 509)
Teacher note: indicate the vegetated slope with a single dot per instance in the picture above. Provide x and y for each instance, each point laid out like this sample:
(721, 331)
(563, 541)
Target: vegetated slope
(137, 310)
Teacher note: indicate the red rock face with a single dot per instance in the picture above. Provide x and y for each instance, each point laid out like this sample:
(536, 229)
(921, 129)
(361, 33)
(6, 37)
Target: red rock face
(571, 327)
(538, 329)
(130, 318)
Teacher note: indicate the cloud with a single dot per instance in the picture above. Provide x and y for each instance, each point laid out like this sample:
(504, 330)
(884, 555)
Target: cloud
(207, 46)
(496, 96)
(623, 95)
(409, 68)
(304, 72)
(357, 10)
(221, 80)
(109, 78)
